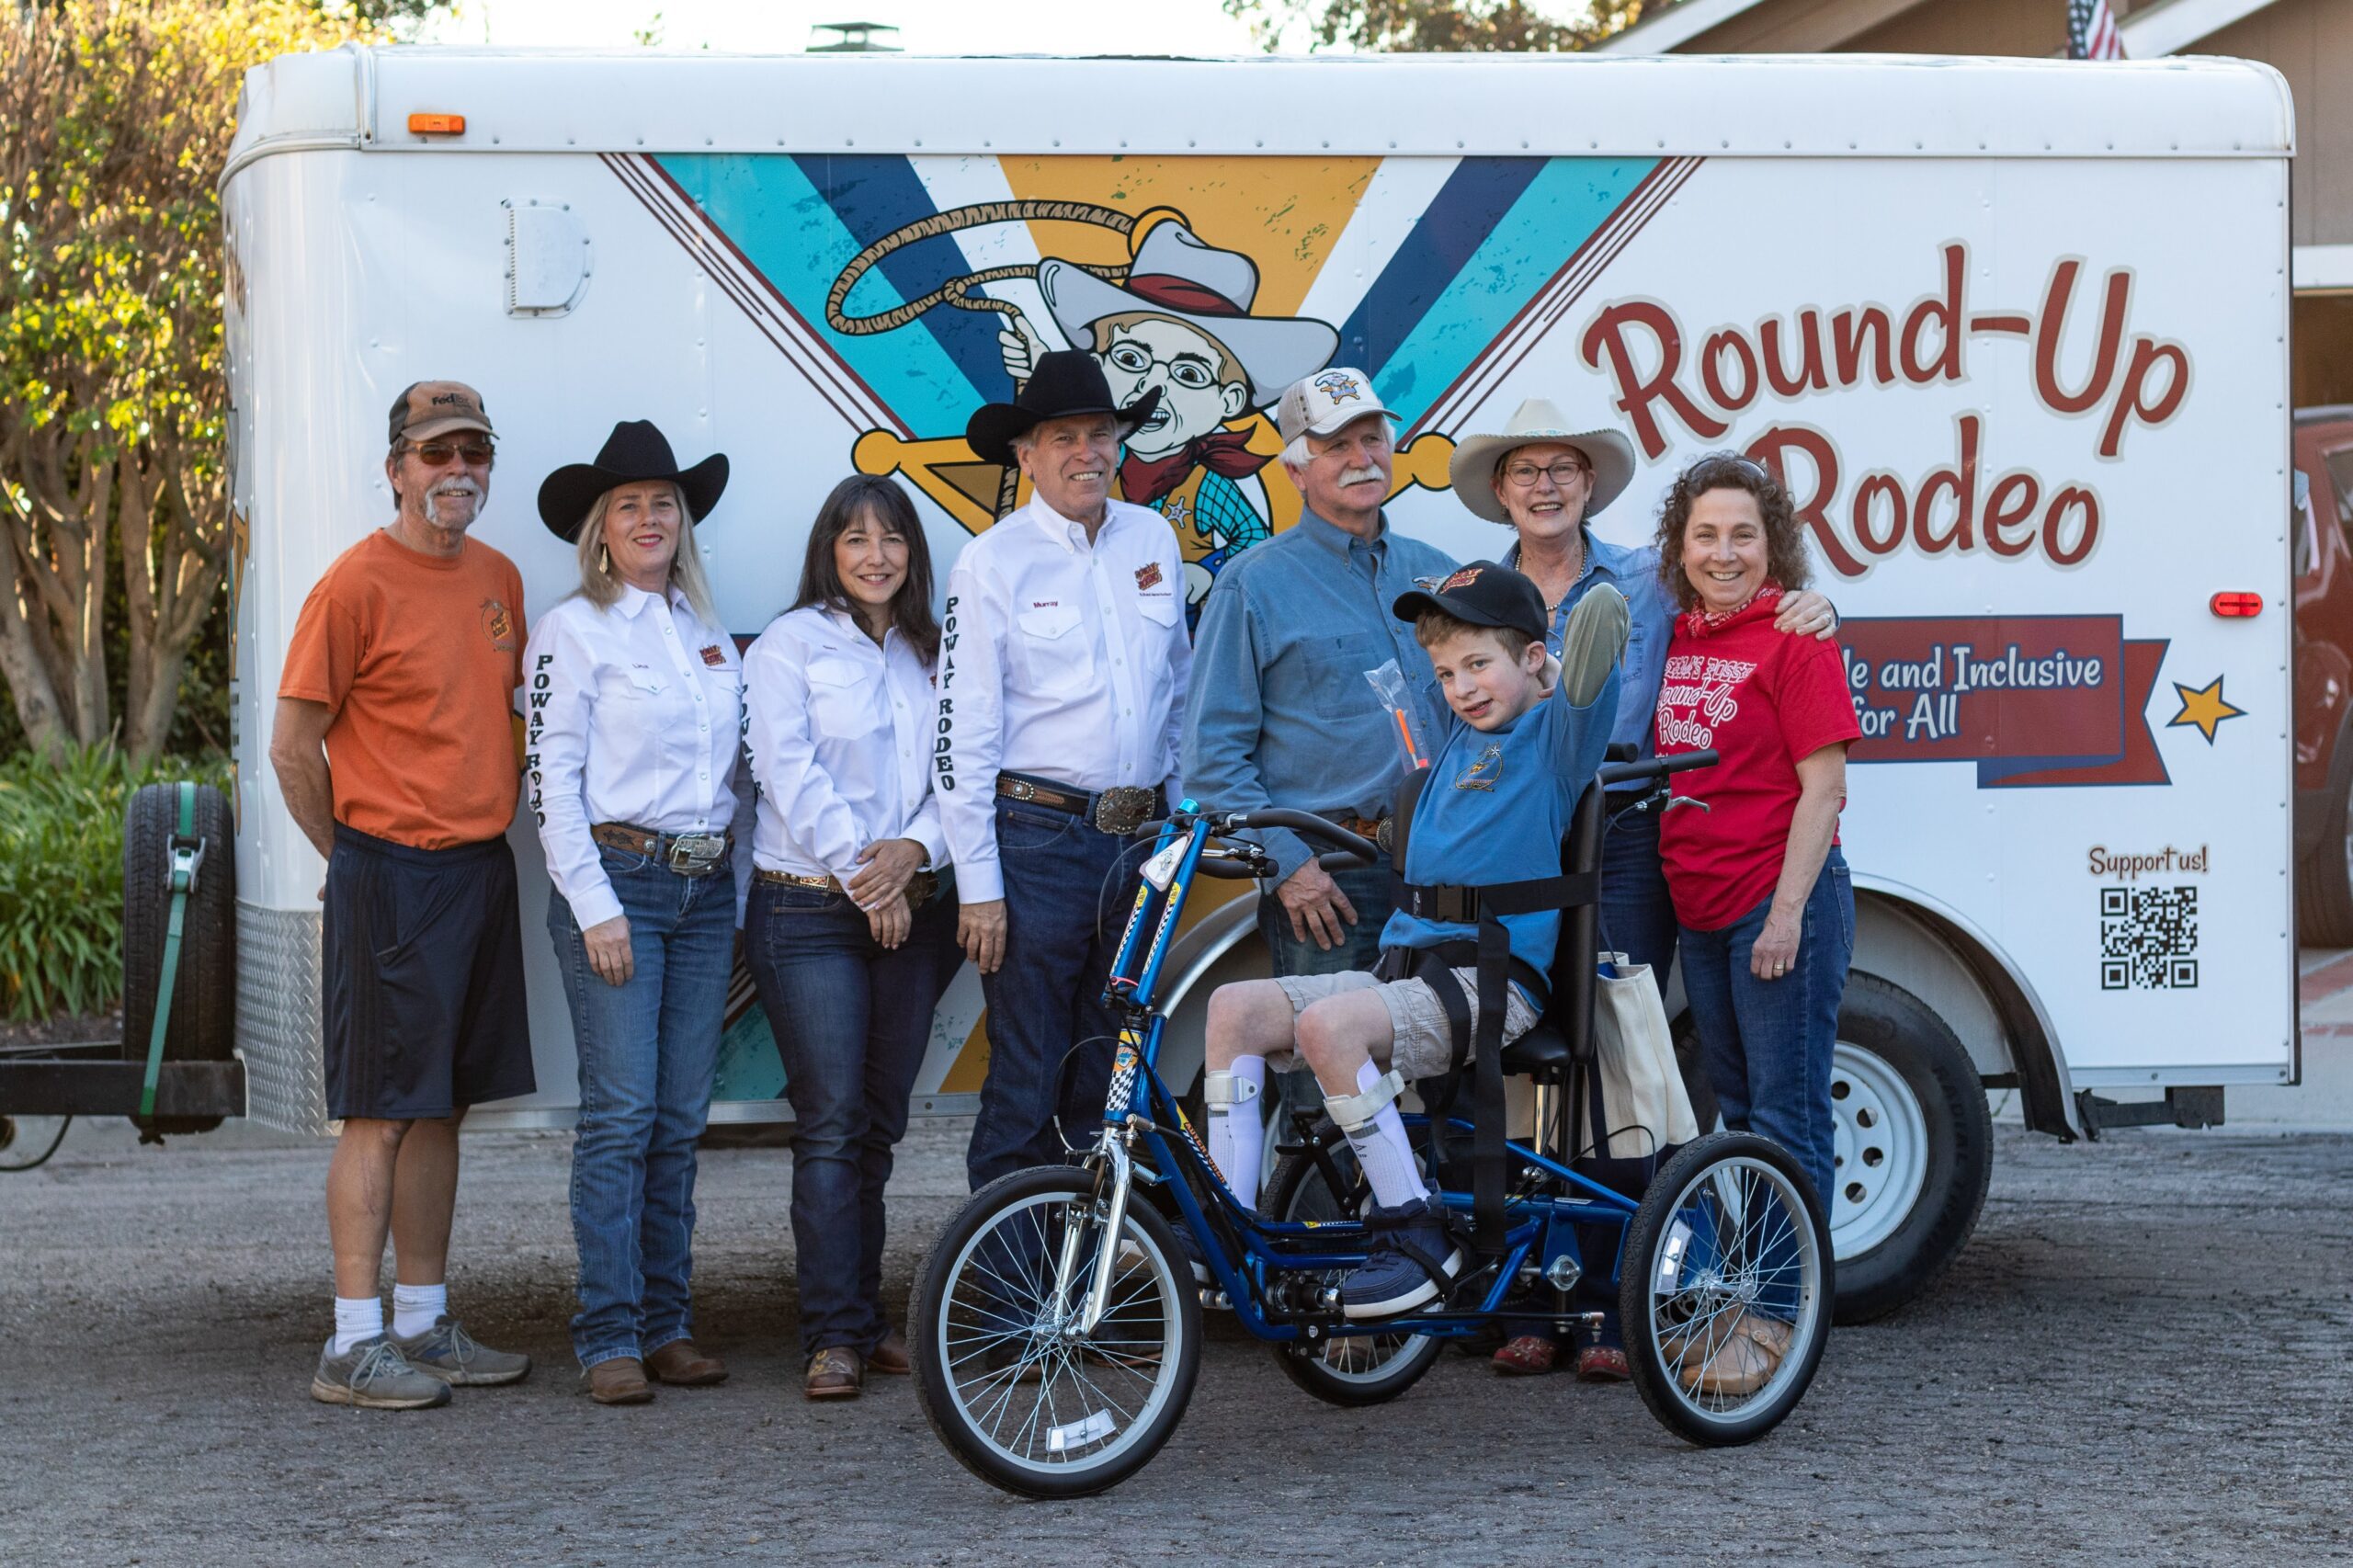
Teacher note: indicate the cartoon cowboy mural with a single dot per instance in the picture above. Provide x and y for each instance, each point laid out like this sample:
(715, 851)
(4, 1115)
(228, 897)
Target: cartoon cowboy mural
(1181, 323)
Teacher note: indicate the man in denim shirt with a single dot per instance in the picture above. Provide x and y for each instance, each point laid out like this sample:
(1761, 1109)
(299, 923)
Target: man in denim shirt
(1281, 712)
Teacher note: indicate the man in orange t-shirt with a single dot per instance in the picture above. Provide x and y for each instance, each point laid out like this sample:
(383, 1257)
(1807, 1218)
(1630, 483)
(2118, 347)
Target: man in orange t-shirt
(394, 745)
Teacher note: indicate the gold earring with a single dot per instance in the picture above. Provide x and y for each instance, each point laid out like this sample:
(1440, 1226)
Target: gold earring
(604, 560)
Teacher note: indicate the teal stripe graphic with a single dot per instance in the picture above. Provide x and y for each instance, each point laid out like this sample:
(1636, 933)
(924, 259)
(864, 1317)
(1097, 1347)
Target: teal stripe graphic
(1559, 212)
(764, 203)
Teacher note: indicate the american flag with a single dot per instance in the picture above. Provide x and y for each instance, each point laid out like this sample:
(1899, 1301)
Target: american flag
(2091, 33)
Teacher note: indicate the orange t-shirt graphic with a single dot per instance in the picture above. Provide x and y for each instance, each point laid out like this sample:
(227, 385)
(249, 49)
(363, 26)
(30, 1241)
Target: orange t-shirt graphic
(417, 657)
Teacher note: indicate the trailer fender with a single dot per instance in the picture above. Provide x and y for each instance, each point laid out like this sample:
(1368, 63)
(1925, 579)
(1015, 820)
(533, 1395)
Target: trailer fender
(1952, 965)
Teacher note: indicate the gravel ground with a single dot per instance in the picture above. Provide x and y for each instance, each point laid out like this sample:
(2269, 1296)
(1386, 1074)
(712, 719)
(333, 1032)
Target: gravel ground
(2142, 1355)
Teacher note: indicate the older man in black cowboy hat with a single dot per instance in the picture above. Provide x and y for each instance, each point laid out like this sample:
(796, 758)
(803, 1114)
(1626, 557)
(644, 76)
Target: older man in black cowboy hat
(1062, 692)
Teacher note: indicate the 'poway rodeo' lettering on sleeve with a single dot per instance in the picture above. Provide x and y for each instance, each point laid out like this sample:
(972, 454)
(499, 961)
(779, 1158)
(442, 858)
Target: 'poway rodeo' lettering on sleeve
(558, 705)
(969, 731)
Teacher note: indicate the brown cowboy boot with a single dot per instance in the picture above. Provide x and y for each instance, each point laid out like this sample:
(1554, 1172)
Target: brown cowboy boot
(680, 1363)
(619, 1380)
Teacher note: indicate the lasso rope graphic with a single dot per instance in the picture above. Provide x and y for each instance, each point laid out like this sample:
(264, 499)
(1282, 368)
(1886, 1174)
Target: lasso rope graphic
(959, 293)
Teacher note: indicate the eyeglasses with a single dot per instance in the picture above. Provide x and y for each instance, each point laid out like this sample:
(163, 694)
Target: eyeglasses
(1185, 370)
(477, 454)
(1565, 473)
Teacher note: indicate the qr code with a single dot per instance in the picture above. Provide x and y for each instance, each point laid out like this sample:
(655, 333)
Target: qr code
(2148, 938)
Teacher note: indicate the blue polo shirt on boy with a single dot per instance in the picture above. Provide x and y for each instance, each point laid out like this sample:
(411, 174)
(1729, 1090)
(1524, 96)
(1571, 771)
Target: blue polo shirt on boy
(1494, 808)
(1632, 570)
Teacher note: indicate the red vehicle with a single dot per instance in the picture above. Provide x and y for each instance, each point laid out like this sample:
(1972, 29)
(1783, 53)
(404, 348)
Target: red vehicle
(2323, 521)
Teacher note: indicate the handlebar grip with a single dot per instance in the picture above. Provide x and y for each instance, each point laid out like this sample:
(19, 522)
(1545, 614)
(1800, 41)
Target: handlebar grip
(1307, 824)
(1656, 767)
(1232, 870)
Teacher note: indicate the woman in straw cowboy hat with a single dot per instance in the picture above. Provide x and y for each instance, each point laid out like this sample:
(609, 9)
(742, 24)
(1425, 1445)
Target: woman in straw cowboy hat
(635, 707)
(1545, 478)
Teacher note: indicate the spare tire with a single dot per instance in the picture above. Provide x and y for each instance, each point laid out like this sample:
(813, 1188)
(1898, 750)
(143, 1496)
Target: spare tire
(204, 1020)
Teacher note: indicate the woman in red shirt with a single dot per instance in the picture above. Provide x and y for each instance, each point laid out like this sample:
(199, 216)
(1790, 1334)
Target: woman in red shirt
(1761, 893)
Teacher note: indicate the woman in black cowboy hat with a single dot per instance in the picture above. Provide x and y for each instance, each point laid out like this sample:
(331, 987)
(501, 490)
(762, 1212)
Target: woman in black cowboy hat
(635, 702)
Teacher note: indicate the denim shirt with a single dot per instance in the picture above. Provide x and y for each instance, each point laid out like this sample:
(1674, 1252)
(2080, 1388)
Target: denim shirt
(1632, 570)
(1280, 712)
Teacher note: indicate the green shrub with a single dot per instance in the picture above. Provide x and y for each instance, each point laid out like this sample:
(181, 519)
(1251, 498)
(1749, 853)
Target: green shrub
(61, 876)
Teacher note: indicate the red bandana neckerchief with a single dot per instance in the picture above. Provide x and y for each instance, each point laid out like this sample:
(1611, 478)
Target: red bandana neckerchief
(1708, 622)
(1144, 481)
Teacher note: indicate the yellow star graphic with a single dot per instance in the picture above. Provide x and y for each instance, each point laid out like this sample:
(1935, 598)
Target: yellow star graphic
(2203, 707)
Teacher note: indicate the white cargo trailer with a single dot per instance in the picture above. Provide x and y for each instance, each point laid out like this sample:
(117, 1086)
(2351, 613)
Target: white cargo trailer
(2015, 331)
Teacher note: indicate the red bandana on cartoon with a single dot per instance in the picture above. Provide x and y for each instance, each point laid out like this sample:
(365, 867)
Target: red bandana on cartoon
(1144, 481)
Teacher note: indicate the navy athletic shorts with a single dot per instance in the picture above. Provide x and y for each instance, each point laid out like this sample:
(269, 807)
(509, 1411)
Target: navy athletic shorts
(424, 981)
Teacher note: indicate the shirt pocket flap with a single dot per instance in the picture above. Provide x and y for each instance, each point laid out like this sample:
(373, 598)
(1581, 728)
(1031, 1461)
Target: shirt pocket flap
(839, 674)
(1158, 608)
(1048, 622)
(644, 679)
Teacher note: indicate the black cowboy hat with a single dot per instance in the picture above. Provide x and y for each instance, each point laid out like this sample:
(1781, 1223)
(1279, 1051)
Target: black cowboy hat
(635, 451)
(1065, 384)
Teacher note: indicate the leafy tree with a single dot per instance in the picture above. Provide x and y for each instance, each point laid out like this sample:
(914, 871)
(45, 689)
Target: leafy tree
(113, 494)
(1419, 26)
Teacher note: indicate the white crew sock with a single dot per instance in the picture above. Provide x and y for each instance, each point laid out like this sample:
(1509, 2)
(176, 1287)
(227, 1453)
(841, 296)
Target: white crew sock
(357, 1319)
(417, 1307)
(1238, 1133)
(1383, 1151)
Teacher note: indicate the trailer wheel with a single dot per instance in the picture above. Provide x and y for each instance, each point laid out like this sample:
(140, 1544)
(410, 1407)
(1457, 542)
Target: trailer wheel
(1914, 1149)
(2325, 877)
(202, 1026)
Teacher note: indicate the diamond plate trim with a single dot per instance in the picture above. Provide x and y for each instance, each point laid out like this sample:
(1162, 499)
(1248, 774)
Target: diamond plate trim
(279, 1019)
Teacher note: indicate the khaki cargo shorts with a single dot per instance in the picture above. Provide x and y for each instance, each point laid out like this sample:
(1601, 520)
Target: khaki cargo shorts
(1424, 1045)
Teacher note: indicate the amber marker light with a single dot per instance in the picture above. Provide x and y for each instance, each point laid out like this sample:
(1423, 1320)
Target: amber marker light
(436, 125)
(2237, 606)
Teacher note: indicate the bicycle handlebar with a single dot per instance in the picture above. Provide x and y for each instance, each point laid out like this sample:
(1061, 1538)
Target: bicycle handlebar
(1349, 850)
(1616, 773)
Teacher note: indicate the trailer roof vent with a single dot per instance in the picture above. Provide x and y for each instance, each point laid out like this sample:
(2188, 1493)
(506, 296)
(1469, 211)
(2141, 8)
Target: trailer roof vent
(547, 257)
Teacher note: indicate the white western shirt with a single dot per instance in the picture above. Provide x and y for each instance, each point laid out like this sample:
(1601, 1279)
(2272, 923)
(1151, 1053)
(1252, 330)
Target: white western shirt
(1059, 659)
(632, 714)
(838, 731)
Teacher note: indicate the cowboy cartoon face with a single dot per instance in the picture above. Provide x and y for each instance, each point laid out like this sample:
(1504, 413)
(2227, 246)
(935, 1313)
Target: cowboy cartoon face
(1201, 385)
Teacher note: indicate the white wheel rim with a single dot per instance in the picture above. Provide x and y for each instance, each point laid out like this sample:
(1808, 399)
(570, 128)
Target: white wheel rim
(1881, 1150)
(1065, 1420)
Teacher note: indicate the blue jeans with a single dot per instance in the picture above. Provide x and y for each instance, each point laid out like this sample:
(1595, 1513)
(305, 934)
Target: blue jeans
(648, 1050)
(1068, 890)
(851, 1021)
(1637, 915)
(1766, 1044)
(1366, 889)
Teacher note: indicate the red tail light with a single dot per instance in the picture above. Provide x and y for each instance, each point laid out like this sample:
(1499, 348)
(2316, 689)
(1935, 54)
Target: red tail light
(2237, 606)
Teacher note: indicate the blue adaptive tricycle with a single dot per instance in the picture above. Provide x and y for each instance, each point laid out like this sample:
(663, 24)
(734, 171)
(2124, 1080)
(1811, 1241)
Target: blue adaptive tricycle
(1057, 1322)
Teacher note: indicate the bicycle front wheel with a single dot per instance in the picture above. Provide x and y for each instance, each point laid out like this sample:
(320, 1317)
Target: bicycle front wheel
(1020, 1396)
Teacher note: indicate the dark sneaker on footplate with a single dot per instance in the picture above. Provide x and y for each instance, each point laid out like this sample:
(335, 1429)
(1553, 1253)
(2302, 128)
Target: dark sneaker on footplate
(448, 1352)
(374, 1375)
(1413, 1256)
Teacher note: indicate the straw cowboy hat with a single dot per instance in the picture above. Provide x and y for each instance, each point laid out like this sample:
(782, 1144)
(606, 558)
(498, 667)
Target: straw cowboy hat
(1064, 385)
(1174, 274)
(1476, 457)
(634, 451)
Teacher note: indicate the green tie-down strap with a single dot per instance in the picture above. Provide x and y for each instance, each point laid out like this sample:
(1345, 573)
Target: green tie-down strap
(187, 853)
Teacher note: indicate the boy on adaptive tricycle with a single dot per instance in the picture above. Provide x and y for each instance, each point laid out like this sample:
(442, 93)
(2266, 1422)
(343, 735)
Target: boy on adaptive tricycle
(1523, 739)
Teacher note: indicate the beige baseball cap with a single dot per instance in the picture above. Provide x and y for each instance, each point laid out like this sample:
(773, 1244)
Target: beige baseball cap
(426, 409)
(1322, 402)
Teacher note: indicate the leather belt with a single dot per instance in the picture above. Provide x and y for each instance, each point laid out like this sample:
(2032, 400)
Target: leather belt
(921, 888)
(687, 854)
(1363, 828)
(1119, 811)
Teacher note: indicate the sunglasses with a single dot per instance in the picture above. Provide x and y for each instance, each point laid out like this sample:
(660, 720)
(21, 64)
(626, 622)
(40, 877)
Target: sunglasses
(1708, 469)
(477, 454)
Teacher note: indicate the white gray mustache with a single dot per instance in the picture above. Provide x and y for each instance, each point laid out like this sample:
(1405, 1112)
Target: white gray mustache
(1359, 475)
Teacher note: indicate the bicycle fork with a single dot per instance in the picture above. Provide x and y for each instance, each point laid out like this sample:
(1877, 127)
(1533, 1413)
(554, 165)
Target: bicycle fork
(1079, 1324)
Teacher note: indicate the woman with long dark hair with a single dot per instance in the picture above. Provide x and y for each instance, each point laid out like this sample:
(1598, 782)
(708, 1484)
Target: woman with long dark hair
(851, 931)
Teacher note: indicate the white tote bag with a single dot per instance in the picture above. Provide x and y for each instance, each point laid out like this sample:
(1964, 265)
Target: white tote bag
(1643, 1107)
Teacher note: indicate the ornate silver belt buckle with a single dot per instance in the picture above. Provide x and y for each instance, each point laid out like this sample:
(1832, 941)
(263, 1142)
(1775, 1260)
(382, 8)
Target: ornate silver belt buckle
(1122, 808)
(692, 854)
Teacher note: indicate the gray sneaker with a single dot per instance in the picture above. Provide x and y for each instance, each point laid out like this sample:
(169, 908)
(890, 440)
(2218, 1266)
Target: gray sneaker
(374, 1375)
(448, 1352)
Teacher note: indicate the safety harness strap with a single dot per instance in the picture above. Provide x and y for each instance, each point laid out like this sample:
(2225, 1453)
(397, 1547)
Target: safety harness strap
(1219, 1087)
(187, 853)
(1456, 906)
(1487, 1089)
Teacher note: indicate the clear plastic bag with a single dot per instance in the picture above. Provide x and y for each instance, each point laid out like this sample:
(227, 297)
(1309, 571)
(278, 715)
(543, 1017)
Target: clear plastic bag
(1404, 713)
